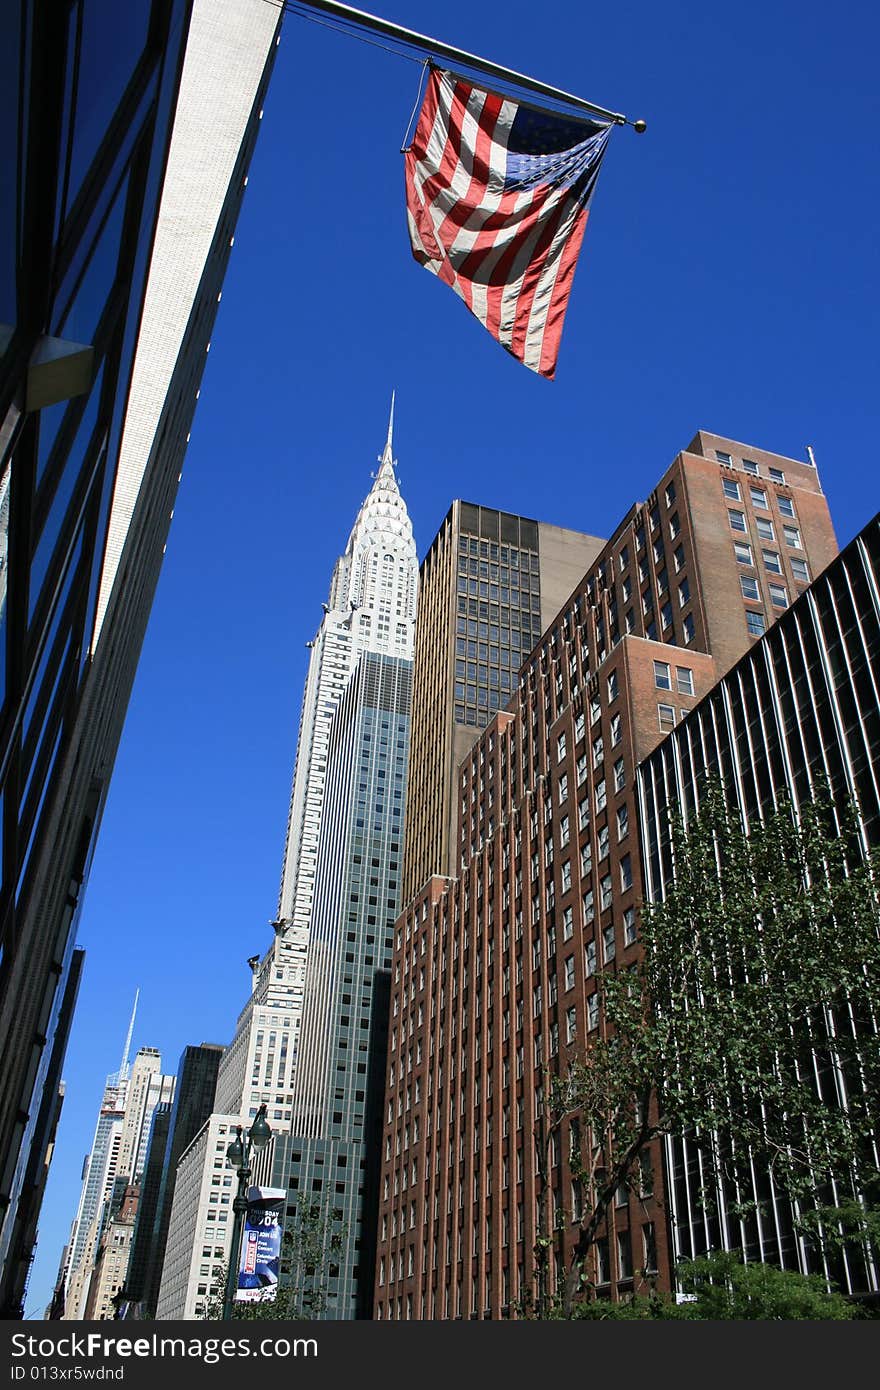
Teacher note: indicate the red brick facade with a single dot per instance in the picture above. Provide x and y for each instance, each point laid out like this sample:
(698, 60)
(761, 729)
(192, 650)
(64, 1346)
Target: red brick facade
(494, 971)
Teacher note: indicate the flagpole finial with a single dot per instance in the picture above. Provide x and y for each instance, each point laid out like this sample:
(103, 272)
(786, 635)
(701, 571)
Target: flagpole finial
(640, 127)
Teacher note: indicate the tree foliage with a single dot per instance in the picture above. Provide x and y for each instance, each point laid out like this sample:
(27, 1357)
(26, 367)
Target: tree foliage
(720, 1287)
(749, 1024)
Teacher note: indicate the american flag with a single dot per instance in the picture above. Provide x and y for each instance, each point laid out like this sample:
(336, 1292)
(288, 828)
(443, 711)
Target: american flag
(498, 195)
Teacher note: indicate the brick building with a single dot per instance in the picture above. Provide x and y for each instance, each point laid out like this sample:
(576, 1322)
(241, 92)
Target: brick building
(493, 970)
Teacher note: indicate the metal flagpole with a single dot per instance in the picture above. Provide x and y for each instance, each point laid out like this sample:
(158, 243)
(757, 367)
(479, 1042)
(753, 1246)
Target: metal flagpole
(458, 55)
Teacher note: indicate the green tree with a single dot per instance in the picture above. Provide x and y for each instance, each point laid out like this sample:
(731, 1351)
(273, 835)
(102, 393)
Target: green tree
(311, 1244)
(720, 1287)
(748, 1025)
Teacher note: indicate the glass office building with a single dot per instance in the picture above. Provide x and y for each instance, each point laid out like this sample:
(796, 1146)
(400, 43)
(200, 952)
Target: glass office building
(100, 104)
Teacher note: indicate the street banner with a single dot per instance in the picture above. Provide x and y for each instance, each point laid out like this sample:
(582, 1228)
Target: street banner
(261, 1245)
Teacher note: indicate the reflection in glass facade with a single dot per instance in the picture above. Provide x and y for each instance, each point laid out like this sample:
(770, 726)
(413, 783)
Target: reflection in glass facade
(801, 710)
(88, 98)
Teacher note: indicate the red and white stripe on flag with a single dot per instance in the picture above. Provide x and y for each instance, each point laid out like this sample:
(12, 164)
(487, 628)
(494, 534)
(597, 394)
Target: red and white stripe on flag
(503, 229)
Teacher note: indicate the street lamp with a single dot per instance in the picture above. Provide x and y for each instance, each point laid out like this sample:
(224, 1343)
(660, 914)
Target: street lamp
(238, 1156)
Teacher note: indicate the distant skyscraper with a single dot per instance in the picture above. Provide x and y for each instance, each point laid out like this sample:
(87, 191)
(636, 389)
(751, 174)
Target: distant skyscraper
(112, 1254)
(352, 881)
(131, 1095)
(489, 585)
(143, 1239)
(116, 221)
(172, 1135)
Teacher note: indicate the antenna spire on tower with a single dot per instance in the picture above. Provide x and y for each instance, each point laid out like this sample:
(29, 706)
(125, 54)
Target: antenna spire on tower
(388, 444)
(124, 1068)
(387, 455)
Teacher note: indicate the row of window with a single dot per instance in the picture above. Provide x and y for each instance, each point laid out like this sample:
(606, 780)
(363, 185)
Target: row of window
(758, 496)
(776, 475)
(684, 678)
(745, 556)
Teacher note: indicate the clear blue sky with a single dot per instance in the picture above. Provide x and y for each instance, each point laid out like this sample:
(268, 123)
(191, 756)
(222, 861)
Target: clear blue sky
(728, 281)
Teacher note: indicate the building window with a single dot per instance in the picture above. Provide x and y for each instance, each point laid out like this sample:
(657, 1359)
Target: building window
(624, 1256)
(754, 623)
(623, 559)
(598, 750)
(590, 959)
(749, 586)
(616, 730)
(622, 822)
(731, 489)
(569, 972)
(560, 748)
(758, 496)
(778, 596)
(602, 845)
(792, 537)
(674, 525)
(666, 717)
(567, 923)
(737, 520)
(605, 892)
(662, 675)
(600, 794)
(670, 494)
(666, 615)
(608, 944)
(743, 552)
(786, 506)
(765, 529)
(750, 466)
(629, 926)
(723, 458)
(684, 592)
(626, 877)
(688, 629)
(649, 1244)
(613, 687)
(684, 680)
(678, 557)
(772, 561)
(570, 1025)
(593, 1014)
(776, 475)
(799, 570)
(619, 775)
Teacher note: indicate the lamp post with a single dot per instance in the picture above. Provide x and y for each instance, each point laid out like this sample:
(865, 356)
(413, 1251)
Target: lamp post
(238, 1156)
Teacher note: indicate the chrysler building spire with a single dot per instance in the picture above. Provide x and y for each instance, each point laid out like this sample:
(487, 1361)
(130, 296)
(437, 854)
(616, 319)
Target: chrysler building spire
(387, 455)
(371, 608)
